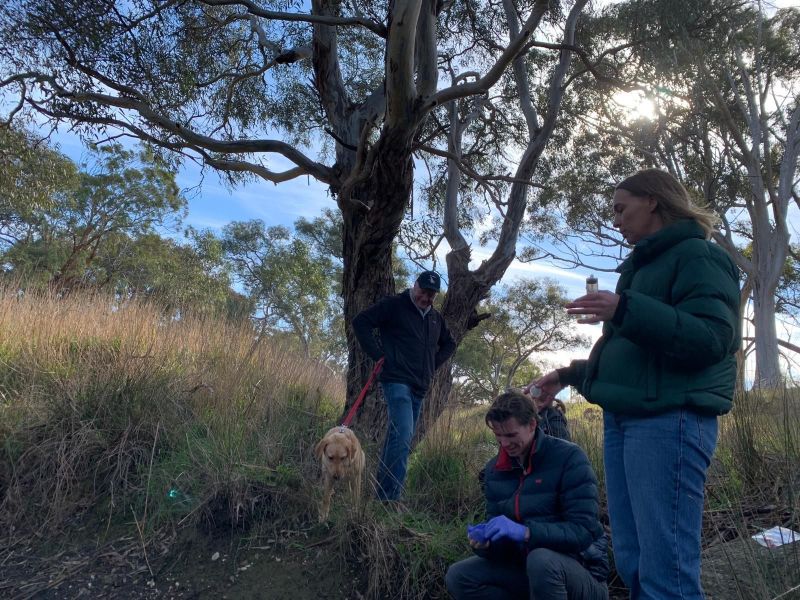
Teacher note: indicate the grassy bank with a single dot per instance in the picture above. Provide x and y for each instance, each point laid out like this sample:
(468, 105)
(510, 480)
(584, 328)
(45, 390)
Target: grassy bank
(142, 424)
(130, 415)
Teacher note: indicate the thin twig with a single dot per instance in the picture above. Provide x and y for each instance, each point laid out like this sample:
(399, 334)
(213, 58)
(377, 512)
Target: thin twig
(150, 472)
(141, 539)
(797, 587)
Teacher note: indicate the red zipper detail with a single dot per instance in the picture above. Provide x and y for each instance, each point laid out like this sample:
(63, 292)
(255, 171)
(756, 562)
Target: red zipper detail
(516, 498)
(525, 472)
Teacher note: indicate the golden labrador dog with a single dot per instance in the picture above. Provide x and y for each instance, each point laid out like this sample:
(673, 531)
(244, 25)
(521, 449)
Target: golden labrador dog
(342, 458)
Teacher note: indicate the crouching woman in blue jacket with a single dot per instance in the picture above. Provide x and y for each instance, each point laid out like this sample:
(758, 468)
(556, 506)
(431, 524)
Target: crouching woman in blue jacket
(543, 539)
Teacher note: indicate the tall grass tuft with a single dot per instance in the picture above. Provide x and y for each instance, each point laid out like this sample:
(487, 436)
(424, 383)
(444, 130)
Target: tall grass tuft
(114, 408)
(444, 468)
(753, 485)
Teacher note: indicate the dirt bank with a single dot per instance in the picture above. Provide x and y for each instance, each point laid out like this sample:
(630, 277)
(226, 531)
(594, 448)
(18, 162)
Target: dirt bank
(291, 564)
(302, 563)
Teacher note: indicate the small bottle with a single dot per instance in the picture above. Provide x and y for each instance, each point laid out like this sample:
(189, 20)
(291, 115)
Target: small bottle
(591, 284)
(535, 391)
(591, 288)
(178, 496)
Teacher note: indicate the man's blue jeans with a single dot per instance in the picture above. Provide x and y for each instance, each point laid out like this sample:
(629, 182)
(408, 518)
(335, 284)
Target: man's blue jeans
(655, 477)
(403, 407)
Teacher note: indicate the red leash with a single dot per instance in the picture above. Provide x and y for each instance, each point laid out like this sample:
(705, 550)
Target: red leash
(363, 394)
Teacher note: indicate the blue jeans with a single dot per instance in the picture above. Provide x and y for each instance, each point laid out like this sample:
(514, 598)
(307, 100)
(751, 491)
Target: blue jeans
(655, 477)
(546, 575)
(403, 411)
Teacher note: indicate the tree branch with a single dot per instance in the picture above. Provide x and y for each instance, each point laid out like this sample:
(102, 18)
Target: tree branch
(785, 344)
(317, 19)
(400, 45)
(483, 84)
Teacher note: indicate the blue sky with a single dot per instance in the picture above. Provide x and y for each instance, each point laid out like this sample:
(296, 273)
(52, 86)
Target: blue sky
(212, 204)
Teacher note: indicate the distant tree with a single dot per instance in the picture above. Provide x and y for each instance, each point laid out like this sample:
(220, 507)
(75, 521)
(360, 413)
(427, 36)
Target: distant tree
(122, 192)
(289, 288)
(33, 177)
(528, 317)
(180, 278)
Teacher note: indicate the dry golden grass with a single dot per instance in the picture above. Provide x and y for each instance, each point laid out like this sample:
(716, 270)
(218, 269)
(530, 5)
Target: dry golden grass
(105, 406)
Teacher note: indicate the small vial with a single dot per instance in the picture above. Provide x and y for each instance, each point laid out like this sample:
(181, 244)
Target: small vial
(591, 288)
(591, 284)
(535, 391)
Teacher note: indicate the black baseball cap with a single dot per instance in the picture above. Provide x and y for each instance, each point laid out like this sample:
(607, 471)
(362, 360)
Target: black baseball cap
(429, 280)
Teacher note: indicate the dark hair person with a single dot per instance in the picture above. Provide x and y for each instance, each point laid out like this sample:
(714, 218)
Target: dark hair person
(542, 537)
(663, 370)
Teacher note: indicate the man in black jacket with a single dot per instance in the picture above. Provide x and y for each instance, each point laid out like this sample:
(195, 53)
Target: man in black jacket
(543, 539)
(414, 342)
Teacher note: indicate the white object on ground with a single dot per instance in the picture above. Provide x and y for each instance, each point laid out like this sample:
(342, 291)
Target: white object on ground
(776, 536)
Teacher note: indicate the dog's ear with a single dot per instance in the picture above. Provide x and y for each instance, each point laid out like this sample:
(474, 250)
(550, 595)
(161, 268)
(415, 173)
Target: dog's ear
(320, 448)
(351, 449)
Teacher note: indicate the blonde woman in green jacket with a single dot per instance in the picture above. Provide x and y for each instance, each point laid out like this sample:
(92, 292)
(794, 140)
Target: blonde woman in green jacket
(663, 370)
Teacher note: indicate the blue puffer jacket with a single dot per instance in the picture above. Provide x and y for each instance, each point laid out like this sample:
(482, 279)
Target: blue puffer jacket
(555, 497)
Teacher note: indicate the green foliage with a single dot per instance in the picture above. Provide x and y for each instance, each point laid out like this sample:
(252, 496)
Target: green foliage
(122, 193)
(527, 317)
(97, 228)
(678, 61)
(180, 278)
(33, 177)
(289, 287)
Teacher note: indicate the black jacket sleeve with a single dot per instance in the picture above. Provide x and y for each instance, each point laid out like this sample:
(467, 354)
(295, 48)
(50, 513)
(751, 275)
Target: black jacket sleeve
(446, 346)
(554, 423)
(366, 322)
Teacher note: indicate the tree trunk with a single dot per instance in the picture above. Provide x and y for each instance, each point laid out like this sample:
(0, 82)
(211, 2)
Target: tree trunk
(465, 291)
(741, 358)
(768, 372)
(367, 257)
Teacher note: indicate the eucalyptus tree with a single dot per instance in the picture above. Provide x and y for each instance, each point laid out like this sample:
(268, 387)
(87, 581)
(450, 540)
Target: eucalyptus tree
(528, 318)
(118, 192)
(33, 176)
(179, 277)
(348, 93)
(722, 81)
(323, 236)
(289, 288)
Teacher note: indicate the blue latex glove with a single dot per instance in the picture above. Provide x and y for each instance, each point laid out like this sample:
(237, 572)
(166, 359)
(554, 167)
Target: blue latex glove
(477, 533)
(502, 527)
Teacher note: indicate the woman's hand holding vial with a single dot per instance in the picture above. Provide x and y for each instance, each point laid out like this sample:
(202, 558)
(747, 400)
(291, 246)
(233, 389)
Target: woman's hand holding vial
(596, 306)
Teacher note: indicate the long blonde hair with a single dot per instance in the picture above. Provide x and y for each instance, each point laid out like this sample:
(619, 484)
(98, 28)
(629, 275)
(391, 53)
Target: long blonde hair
(674, 202)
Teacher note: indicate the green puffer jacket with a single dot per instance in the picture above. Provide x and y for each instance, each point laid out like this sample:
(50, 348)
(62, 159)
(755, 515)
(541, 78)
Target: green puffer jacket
(673, 338)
